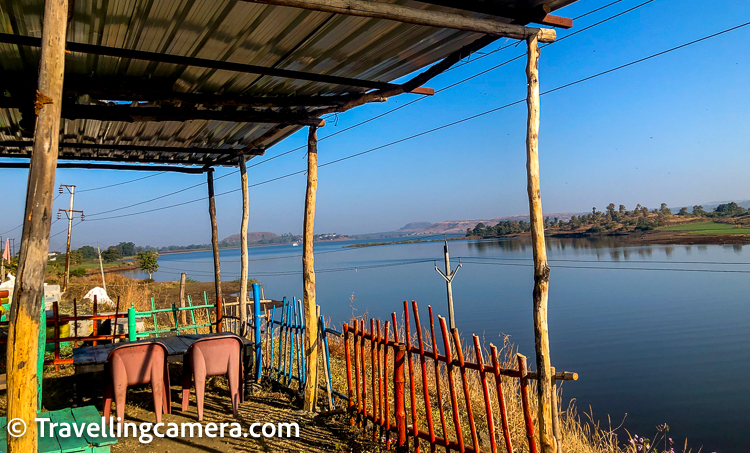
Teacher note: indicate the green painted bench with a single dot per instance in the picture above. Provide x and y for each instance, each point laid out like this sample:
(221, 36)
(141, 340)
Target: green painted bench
(72, 444)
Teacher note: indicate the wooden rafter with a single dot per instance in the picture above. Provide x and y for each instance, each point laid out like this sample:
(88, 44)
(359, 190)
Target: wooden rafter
(398, 13)
(92, 49)
(538, 15)
(88, 166)
(128, 114)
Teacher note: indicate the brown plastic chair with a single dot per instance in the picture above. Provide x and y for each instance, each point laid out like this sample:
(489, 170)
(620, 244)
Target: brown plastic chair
(213, 356)
(134, 364)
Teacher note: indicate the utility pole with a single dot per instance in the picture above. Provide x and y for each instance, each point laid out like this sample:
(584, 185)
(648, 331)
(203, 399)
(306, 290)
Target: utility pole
(448, 275)
(101, 267)
(70, 214)
(2, 260)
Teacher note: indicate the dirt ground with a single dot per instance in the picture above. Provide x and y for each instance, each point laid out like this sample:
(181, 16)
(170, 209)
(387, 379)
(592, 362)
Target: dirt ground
(329, 434)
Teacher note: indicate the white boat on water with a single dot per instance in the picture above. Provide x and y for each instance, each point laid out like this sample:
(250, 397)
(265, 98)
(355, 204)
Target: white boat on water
(295, 244)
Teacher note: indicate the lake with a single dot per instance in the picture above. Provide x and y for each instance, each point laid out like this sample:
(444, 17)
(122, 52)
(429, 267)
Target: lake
(660, 333)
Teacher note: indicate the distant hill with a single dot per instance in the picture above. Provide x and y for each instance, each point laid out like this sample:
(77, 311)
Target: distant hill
(234, 240)
(460, 226)
(712, 205)
(415, 226)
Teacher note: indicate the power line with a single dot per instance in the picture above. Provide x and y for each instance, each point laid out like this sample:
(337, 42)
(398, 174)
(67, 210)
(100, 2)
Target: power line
(19, 226)
(463, 120)
(394, 109)
(124, 182)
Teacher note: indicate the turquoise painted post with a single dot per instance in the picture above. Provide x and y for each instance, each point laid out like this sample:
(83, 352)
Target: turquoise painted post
(40, 355)
(270, 335)
(282, 339)
(292, 339)
(324, 335)
(303, 369)
(256, 325)
(132, 336)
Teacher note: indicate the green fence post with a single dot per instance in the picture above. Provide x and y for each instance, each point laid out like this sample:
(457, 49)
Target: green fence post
(40, 355)
(131, 324)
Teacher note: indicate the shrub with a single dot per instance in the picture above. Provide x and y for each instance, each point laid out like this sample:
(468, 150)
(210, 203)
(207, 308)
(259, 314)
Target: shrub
(78, 272)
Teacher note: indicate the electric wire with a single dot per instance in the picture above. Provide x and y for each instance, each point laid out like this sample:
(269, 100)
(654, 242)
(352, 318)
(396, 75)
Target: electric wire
(387, 112)
(463, 120)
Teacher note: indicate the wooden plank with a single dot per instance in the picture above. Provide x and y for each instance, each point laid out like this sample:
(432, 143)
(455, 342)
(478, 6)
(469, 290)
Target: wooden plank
(89, 415)
(541, 268)
(308, 274)
(72, 443)
(23, 331)
(48, 443)
(3, 434)
(398, 13)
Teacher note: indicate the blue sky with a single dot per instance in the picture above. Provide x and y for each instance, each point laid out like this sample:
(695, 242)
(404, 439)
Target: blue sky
(672, 129)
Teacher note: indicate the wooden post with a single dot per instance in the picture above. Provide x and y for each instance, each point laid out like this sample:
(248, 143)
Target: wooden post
(308, 272)
(541, 269)
(215, 246)
(23, 332)
(101, 267)
(243, 247)
(183, 278)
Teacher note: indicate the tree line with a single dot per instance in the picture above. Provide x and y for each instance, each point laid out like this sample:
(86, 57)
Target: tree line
(612, 219)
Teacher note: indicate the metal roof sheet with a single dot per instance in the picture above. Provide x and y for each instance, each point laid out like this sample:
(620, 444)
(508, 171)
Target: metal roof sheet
(227, 30)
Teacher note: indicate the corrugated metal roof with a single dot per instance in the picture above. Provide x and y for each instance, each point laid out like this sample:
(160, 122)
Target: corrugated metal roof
(227, 30)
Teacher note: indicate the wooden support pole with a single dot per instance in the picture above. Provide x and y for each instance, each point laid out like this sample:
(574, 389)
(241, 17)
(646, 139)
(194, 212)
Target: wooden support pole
(183, 281)
(541, 269)
(308, 272)
(23, 332)
(243, 247)
(398, 13)
(215, 247)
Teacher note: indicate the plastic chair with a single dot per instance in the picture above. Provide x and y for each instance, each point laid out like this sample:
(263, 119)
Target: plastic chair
(213, 356)
(133, 364)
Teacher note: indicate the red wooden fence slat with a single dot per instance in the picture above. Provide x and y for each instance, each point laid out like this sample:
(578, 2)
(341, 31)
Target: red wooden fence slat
(379, 344)
(387, 412)
(525, 401)
(451, 387)
(467, 394)
(347, 355)
(486, 393)
(412, 392)
(437, 378)
(356, 372)
(501, 399)
(425, 386)
(364, 370)
(373, 372)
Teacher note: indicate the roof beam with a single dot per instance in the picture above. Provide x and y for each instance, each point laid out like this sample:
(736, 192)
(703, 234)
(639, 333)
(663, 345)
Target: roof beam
(21, 40)
(122, 147)
(538, 15)
(171, 168)
(128, 114)
(135, 159)
(398, 13)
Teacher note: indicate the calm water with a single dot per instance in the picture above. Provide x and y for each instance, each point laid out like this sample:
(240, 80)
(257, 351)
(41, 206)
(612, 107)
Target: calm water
(648, 338)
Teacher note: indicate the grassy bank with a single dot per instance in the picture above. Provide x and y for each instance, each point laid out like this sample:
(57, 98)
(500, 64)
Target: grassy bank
(712, 228)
